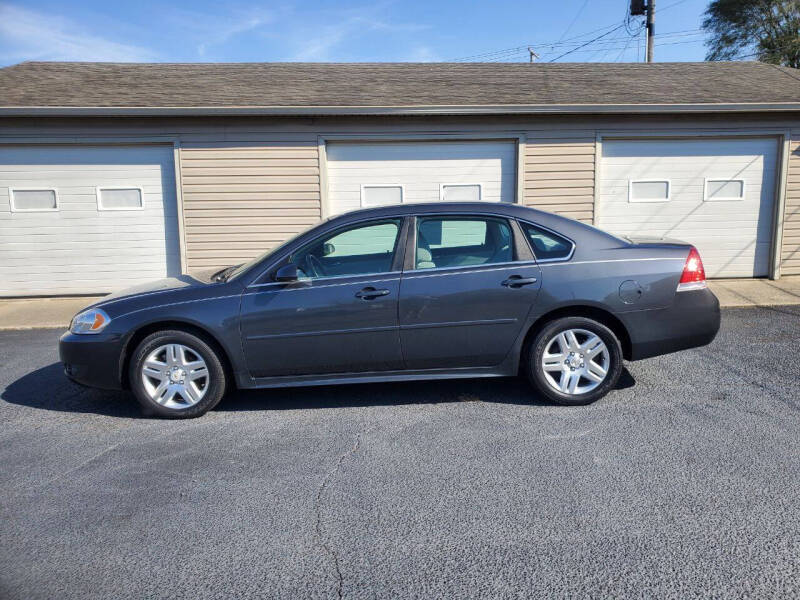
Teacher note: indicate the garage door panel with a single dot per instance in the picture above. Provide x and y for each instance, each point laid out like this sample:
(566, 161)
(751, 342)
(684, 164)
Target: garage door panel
(421, 168)
(660, 148)
(79, 248)
(733, 236)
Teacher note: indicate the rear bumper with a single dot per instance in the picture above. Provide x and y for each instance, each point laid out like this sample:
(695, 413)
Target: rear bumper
(693, 320)
(92, 360)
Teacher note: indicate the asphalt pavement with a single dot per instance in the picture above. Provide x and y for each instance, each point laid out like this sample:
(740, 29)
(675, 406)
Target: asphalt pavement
(684, 482)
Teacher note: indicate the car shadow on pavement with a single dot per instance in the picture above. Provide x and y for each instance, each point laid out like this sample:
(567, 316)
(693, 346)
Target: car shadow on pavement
(500, 390)
(48, 389)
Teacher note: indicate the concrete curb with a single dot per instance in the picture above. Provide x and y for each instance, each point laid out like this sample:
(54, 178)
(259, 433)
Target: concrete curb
(41, 313)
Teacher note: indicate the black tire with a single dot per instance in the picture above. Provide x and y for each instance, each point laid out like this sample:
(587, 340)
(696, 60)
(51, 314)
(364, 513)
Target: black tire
(214, 387)
(536, 348)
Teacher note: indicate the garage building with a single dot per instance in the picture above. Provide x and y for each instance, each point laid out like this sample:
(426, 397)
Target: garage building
(115, 174)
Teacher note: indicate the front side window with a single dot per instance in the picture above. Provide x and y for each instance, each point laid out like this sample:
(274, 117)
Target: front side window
(462, 242)
(546, 245)
(360, 250)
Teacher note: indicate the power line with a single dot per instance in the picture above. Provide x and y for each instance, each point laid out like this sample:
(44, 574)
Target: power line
(578, 14)
(587, 43)
(616, 44)
(602, 50)
(668, 6)
(625, 47)
(562, 42)
(523, 50)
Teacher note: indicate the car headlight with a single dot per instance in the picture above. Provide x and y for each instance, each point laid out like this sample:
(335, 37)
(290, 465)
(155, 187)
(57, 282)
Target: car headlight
(93, 320)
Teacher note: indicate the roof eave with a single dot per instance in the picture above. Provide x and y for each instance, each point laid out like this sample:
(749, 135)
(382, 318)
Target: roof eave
(502, 109)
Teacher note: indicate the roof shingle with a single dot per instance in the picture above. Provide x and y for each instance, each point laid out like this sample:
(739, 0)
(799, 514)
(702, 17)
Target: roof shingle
(52, 84)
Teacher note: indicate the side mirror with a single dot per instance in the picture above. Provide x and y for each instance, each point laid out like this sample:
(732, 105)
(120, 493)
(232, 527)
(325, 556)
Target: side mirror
(328, 249)
(287, 273)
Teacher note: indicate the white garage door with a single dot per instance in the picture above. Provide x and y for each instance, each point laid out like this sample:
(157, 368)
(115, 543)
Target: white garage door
(381, 173)
(715, 194)
(80, 220)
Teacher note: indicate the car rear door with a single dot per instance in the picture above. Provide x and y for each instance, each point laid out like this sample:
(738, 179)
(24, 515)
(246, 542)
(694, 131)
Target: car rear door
(339, 317)
(466, 292)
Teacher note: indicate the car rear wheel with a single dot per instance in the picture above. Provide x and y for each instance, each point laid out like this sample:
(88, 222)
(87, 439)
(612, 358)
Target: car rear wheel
(176, 374)
(574, 360)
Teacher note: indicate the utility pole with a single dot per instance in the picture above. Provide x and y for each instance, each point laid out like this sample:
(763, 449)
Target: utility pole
(534, 56)
(648, 8)
(651, 28)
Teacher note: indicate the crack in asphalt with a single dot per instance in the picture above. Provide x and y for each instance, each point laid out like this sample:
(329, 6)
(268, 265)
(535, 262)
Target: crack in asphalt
(78, 467)
(777, 393)
(318, 509)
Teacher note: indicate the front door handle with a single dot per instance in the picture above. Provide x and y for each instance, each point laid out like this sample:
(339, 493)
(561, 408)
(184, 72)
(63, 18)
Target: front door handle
(368, 293)
(516, 281)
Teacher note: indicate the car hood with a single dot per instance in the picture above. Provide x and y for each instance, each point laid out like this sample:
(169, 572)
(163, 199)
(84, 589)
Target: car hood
(160, 285)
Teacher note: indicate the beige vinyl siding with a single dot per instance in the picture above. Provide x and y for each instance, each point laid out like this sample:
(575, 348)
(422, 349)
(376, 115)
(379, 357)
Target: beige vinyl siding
(559, 172)
(556, 165)
(790, 253)
(244, 198)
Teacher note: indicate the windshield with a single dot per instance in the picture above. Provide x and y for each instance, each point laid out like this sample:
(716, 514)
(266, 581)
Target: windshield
(244, 267)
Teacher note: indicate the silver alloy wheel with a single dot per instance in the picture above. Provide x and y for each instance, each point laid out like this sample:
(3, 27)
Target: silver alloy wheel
(575, 361)
(175, 376)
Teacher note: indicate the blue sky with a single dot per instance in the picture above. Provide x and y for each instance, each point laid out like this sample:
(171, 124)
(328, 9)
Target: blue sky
(402, 30)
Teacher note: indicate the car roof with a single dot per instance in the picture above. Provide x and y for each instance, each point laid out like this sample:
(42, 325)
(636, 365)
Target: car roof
(565, 226)
(507, 209)
(417, 208)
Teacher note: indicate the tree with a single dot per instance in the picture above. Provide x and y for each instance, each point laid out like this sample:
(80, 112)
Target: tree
(768, 30)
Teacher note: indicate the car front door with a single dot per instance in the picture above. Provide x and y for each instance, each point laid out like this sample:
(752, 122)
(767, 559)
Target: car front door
(467, 295)
(339, 316)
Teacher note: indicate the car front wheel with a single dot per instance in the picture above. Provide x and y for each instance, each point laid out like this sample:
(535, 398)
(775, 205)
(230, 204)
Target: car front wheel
(574, 360)
(176, 374)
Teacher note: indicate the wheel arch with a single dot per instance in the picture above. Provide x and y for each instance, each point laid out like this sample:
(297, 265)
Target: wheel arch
(149, 328)
(582, 310)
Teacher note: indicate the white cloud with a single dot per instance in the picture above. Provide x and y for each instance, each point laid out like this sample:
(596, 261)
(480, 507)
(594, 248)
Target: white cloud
(423, 54)
(325, 39)
(30, 35)
(207, 31)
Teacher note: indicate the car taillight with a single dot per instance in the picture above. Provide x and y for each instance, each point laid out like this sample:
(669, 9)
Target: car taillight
(694, 275)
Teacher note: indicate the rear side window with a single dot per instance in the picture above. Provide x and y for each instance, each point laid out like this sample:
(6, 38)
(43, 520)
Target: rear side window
(462, 242)
(545, 244)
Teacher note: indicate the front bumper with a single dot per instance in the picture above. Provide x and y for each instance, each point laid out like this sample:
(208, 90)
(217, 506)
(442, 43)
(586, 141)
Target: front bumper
(693, 320)
(92, 360)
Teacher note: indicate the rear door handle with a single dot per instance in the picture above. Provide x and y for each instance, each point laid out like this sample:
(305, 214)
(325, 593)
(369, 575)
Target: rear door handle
(516, 281)
(368, 293)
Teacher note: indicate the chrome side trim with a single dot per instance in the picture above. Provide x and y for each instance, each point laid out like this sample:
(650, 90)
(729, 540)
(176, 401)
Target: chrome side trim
(274, 284)
(441, 271)
(274, 336)
(459, 323)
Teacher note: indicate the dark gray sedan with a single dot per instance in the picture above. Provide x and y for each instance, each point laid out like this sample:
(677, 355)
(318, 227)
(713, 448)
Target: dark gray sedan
(429, 291)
